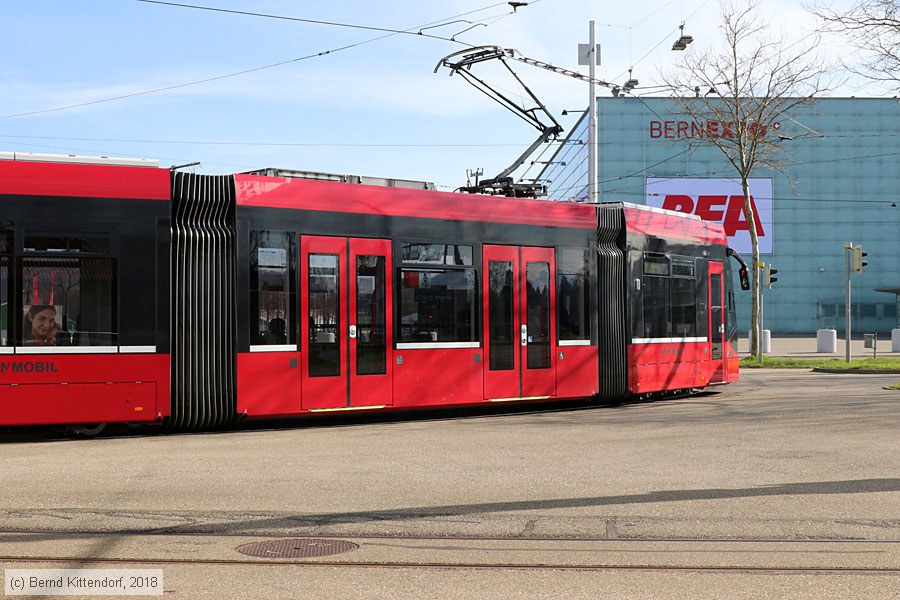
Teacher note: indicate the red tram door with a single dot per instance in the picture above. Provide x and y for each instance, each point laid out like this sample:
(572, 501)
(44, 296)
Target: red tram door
(717, 323)
(520, 323)
(346, 330)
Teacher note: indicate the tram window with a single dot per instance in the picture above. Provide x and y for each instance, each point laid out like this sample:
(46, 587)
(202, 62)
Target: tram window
(669, 292)
(501, 316)
(69, 301)
(273, 276)
(6, 241)
(437, 254)
(371, 319)
(438, 305)
(656, 307)
(5, 302)
(537, 309)
(93, 243)
(684, 307)
(324, 315)
(656, 265)
(680, 269)
(573, 293)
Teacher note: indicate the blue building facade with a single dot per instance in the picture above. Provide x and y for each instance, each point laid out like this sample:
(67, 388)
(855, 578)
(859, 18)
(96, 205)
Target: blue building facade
(837, 181)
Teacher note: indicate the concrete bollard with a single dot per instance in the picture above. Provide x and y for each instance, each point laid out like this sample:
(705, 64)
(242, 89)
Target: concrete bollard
(895, 340)
(766, 341)
(826, 340)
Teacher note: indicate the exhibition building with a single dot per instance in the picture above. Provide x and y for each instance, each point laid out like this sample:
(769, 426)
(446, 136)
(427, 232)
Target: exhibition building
(835, 181)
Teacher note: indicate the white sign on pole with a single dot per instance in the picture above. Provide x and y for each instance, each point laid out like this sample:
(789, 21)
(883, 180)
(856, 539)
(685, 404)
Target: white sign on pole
(584, 54)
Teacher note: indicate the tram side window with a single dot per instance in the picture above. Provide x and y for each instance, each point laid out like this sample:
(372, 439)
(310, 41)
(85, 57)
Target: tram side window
(669, 290)
(5, 297)
(438, 304)
(68, 302)
(5, 303)
(573, 293)
(6, 249)
(684, 300)
(437, 254)
(273, 276)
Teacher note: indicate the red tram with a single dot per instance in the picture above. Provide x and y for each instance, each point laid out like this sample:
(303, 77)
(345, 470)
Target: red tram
(132, 294)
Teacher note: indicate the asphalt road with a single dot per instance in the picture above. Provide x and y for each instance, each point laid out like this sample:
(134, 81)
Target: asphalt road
(784, 485)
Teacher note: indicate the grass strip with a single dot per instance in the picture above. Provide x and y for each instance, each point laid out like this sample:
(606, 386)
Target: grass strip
(867, 364)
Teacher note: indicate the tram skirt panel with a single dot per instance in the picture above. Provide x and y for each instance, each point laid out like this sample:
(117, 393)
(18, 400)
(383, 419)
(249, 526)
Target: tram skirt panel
(204, 316)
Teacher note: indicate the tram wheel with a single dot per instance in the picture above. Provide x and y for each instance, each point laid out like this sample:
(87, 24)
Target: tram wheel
(88, 429)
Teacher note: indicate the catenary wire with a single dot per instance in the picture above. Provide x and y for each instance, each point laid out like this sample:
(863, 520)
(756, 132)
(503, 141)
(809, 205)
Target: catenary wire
(251, 70)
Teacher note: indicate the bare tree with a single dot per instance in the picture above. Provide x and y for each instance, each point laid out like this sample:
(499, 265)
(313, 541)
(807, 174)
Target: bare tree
(873, 26)
(753, 81)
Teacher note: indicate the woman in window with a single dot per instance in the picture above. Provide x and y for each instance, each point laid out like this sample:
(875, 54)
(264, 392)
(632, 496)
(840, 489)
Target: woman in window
(40, 326)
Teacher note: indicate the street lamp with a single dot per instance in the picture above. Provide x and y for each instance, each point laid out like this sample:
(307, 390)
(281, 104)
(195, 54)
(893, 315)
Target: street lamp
(631, 83)
(682, 42)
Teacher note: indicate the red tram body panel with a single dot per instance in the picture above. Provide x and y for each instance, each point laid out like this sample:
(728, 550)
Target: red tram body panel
(679, 360)
(49, 241)
(132, 294)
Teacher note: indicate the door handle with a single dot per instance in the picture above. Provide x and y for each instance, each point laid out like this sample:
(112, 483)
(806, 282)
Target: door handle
(524, 330)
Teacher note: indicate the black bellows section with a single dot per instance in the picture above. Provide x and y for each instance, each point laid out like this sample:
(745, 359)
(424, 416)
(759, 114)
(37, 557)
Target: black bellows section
(203, 307)
(612, 307)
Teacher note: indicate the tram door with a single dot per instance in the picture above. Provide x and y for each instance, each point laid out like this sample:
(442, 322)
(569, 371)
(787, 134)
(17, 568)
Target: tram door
(346, 331)
(520, 322)
(717, 322)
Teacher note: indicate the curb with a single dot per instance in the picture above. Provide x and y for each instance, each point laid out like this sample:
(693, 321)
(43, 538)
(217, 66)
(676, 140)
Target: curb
(857, 371)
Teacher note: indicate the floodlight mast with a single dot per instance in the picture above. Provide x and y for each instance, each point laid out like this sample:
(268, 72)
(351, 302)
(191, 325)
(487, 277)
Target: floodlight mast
(461, 62)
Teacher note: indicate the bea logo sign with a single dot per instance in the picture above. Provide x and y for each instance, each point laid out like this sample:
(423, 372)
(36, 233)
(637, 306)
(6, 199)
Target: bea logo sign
(719, 201)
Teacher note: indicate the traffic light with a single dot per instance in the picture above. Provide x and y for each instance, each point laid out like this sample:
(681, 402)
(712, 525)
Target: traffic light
(769, 276)
(858, 262)
(744, 278)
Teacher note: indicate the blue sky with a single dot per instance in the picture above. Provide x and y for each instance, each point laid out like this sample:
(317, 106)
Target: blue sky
(376, 108)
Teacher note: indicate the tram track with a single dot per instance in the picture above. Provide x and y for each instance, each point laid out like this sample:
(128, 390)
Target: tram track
(446, 566)
(496, 553)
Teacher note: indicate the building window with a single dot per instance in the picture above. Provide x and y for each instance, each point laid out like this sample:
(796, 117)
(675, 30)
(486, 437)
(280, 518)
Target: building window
(573, 296)
(829, 310)
(273, 289)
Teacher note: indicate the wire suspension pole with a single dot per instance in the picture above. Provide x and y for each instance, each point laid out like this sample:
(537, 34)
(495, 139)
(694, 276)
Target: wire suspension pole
(592, 120)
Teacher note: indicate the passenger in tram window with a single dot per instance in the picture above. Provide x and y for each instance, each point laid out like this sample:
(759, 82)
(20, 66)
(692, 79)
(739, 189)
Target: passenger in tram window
(40, 325)
(277, 332)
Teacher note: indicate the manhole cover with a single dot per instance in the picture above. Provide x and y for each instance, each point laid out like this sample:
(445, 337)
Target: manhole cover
(296, 548)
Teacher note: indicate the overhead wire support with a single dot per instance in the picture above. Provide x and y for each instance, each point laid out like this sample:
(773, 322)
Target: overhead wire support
(462, 62)
(559, 70)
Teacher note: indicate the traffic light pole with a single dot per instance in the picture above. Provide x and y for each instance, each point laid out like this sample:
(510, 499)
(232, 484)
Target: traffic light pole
(848, 250)
(762, 324)
(766, 280)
